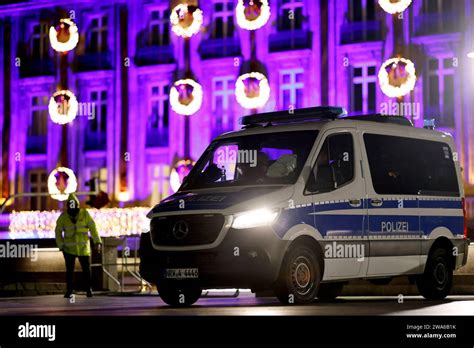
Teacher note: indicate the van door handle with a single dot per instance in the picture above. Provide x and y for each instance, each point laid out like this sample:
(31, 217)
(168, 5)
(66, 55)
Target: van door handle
(376, 202)
(355, 202)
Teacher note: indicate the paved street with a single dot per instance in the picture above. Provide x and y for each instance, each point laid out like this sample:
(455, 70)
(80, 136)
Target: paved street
(245, 304)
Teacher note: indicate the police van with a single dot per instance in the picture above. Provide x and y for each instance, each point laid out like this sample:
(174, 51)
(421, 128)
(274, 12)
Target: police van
(302, 202)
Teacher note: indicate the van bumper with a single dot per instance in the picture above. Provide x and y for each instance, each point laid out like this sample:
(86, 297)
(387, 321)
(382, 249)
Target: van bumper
(246, 258)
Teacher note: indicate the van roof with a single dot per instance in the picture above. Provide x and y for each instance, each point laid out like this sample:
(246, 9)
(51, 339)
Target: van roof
(369, 123)
(315, 114)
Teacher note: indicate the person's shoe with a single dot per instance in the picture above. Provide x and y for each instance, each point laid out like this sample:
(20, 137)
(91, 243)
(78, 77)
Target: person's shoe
(89, 293)
(68, 294)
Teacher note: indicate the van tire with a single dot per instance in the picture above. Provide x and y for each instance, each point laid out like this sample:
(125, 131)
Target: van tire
(329, 291)
(435, 283)
(300, 276)
(179, 295)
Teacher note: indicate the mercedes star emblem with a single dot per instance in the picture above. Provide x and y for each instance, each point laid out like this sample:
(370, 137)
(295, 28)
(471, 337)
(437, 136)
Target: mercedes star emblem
(180, 229)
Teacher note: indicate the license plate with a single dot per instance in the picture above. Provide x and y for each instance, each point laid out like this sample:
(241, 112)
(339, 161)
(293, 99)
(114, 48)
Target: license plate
(181, 273)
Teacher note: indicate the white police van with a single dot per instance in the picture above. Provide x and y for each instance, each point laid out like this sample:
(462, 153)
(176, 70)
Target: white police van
(302, 202)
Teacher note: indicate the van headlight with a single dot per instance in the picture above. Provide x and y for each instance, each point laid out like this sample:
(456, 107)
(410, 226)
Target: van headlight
(254, 218)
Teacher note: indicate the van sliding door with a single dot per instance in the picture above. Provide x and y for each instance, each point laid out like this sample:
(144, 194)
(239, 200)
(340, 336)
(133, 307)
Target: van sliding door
(392, 201)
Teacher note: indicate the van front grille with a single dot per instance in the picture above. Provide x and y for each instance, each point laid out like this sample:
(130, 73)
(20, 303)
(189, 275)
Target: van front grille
(186, 230)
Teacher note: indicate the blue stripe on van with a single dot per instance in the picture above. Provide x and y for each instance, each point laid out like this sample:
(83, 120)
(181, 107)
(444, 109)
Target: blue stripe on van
(351, 225)
(446, 204)
(453, 223)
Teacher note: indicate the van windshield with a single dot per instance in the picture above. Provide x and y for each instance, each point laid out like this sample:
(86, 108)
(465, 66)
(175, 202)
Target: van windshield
(260, 159)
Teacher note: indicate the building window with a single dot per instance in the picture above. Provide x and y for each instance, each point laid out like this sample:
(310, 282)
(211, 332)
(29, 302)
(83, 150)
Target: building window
(291, 89)
(438, 17)
(159, 175)
(40, 40)
(361, 10)
(38, 183)
(97, 124)
(159, 117)
(38, 125)
(363, 91)
(223, 19)
(98, 34)
(222, 104)
(159, 27)
(158, 120)
(101, 175)
(290, 15)
(438, 6)
(440, 92)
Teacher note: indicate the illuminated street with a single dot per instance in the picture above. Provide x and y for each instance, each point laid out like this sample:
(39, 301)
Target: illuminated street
(245, 304)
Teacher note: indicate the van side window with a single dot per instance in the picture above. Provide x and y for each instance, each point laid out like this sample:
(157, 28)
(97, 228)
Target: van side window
(410, 166)
(334, 165)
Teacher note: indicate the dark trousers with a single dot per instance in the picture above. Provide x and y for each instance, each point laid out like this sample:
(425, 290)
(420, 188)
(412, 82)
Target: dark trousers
(86, 270)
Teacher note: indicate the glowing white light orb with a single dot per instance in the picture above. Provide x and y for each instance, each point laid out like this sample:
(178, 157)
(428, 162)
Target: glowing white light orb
(252, 99)
(185, 23)
(392, 6)
(409, 80)
(71, 43)
(178, 172)
(471, 55)
(253, 15)
(186, 97)
(124, 196)
(66, 110)
(69, 185)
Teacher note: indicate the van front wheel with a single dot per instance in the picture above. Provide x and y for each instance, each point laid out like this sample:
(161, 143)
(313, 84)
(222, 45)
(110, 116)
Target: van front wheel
(435, 283)
(300, 275)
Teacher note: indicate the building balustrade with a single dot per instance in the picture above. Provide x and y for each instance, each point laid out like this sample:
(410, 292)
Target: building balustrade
(290, 40)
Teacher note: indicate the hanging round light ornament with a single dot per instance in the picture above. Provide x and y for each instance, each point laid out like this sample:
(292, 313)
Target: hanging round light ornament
(394, 6)
(186, 97)
(186, 21)
(252, 14)
(63, 107)
(65, 36)
(61, 182)
(252, 90)
(397, 77)
(179, 171)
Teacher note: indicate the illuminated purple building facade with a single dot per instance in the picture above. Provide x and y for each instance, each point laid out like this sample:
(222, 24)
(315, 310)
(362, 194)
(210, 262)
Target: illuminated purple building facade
(315, 52)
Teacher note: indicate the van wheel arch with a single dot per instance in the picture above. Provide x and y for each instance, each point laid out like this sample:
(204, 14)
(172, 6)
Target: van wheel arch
(300, 272)
(309, 241)
(436, 281)
(444, 243)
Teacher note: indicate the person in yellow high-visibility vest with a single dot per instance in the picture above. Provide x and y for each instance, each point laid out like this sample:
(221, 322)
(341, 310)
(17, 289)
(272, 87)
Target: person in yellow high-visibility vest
(72, 238)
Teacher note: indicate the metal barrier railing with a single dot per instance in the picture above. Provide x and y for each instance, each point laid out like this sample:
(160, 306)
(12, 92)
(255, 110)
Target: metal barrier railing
(125, 266)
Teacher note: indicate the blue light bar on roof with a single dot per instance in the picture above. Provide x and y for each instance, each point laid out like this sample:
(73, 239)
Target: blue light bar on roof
(296, 115)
